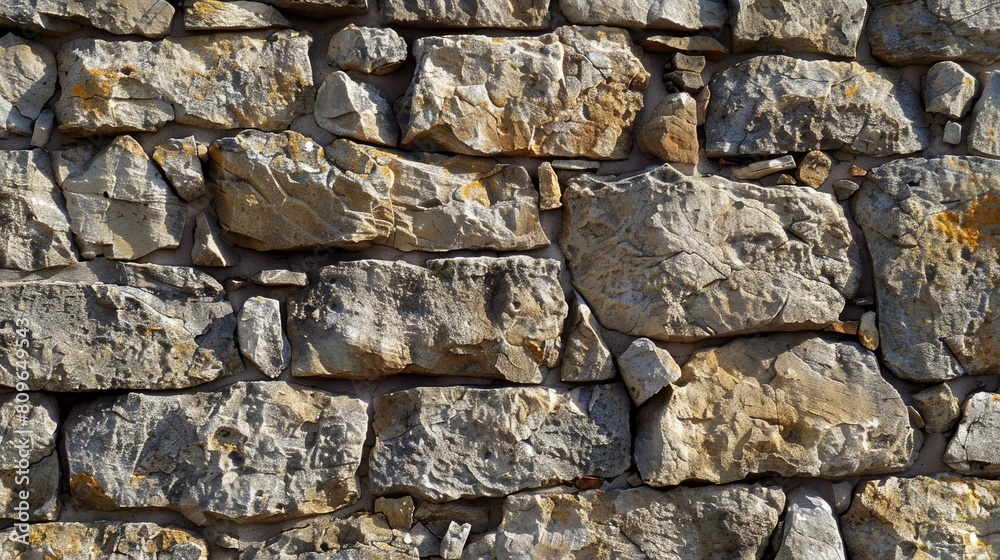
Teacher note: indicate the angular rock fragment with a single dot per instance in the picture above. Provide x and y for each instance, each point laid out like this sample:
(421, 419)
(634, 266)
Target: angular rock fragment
(397, 511)
(948, 90)
(35, 228)
(262, 340)
(708, 46)
(29, 461)
(732, 521)
(322, 8)
(761, 169)
(975, 447)
(447, 443)
(42, 131)
(103, 539)
(258, 451)
(238, 15)
(454, 540)
(771, 105)
(209, 248)
(549, 191)
(678, 258)
(508, 14)
(143, 327)
(815, 169)
(798, 25)
(929, 31)
(586, 357)
(952, 133)
(119, 205)
(24, 15)
(868, 331)
(811, 531)
(27, 81)
(361, 536)
(683, 15)
(369, 50)
(647, 369)
(944, 516)
(497, 318)
(938, 407)
(355, 110)
(671, 133)
(984, 134)
(278, 277)
(480, 95)
(180, 161)
(150, 18)
(792, 404)
(436, 518)
(932, 226)
(256, 79)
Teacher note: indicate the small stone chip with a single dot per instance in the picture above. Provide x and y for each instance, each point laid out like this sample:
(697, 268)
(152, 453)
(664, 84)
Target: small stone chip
(764, 168)
(278, 277)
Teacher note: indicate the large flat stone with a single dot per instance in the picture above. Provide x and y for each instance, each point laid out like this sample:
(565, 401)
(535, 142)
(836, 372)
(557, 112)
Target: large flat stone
(673, 257)
(446, 443)
(322, 8)
(100, 540)
(829, 27)
(24, 15)
(929, 31)
(498, 318)
(27, 81)
(508, 14)
(681, 15)
(150, 18)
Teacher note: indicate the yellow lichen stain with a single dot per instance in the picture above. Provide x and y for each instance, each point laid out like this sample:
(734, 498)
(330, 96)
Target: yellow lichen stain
(968, 81)
(967, 227)
(992, 132)
(851, 92)
(475, 190)
(86, 488)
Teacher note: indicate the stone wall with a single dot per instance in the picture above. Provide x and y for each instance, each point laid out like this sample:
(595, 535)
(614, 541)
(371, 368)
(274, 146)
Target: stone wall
(499, 279)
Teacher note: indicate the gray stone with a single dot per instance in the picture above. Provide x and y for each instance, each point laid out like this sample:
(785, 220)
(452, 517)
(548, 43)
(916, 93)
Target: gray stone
(446, 443)
(791, 404)
(112, 325)
(438, 517)
(984, 134)
(831, 27)
(938, 407)
(975, 447)
(811, 531)
(497, 318)
(24, 14)
(549, 191)
(179, 159)
(480, 95)
(256, 79)
(481, 548)
(938, 518)
(948, 90)
(42, 131)
(359, 537)
(150, 18)
(322, 8)
(815, 169)
(426, 542)
(929, 31)
(868, 330)
(671, 133)
(112, 540)
(681, 15)
(27, 81)
(35, 228)
(369, 50)
(931, 225)
(262, 340)
(575, 165)
(774, 104)
(355, 110)
(842, 492)
(677, 81)
(237, 15)
(647, 369)
(397, 511)
(678, 258)
(761, 169)
(952, 133)
(845, 188)
(257, 451)
(119, 205)
(209, 248)
(508, 14)
(586, 357)
(732, 521)
(696, 44)
(29, 461)
(454, 540)
(280, 277)
(681, 61)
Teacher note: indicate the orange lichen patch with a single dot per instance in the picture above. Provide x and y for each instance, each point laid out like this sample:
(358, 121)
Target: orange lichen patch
(86, 488)
(851, 92)
(475, 190)
(968, 227)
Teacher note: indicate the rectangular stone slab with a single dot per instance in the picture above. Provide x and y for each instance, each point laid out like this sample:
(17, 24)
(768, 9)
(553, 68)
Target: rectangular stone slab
(925, 32)
(78, 541)
(467, 14)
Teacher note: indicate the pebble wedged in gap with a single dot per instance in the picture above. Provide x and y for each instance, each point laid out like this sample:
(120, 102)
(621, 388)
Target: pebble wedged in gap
(504, 14)
(681, 15)
(179, 159)
(929, 31)
(262, 340)
(586, 356)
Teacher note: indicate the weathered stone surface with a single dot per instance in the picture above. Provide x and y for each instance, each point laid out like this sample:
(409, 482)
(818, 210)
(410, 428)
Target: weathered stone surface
(929, 31)
(509, 14)
(952, 133)
(209, 248)
(798, 25)
(484, 317)
(355, 110)
(280, 277)
(24, 14)
(792, 404)
(30, 428)
(150, 18)
(42, 131)
(975, 447)
(262, 340)
(733, 521)
(683, 15)
(699, 44)
(761, 169)
(359, 537)
(939, 517)
(446, 443)
(771, 105)
(673, 257)
(258, 451)
(984, 135)
(671, 133)
(811, 531)
(35, 228)
(949, 89)
(213, 15)
(938, 407)
(178, 158)
(454, 540)
(397, 511)
(322, 8)
(868, 330)
(549, 191)
(120, 206)
(27, 81)
(257, 79)
(646, 369)
(438, 517)
(931, 225)
(815, 169)
(586, 357)
(369, 50)
(480, 95)
(103, 540)
(143, 327)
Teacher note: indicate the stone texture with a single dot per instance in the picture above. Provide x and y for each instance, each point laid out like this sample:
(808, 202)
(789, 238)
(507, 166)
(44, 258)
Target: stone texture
(509, 14)
(179, 159)
(681, 15)
(497, 318)
(322, 8)
(798, 25)
(397, 511)
(359, 537)
(952, 133)
(150, 18)
(262, 340)
(679, 258)
(647, 369)
(533, 96)
(446, 443)
(369, 50)
(937, 518)
(258, 451)
(42, 131)
(815, 169)
(209, 248)
(454, 540)
(984, 134)
(931, 226)
(143, 327)
(549, 191)
(938, 407)
(213, 15)
(29, 428)
(355, 110)
(671, 133)
(280, 277)
(929, 31)
(586, 357)
(792, 404)
(99, 540)
(27, 81)
(811, 531)
(948, 90)
(24, 15)
(698, 44)
(438, 517)
(119, 205)
(975, 447)
(774, 104)
(733, 521)
(868, 330)
(35, 228)
(256, 79)
(763, 168)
